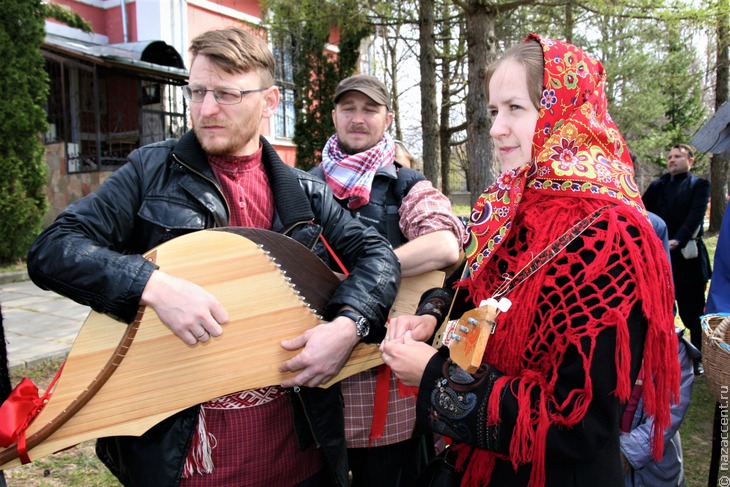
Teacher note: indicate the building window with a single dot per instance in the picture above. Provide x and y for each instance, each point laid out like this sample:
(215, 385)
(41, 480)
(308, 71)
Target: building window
(285, 69)
(102, 116)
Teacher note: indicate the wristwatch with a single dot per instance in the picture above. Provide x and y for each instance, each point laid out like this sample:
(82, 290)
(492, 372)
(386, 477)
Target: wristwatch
(362, 325)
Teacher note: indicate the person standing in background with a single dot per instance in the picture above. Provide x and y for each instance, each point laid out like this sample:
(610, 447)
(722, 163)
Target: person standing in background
(403, 156)
(359, 164)
(680, 199)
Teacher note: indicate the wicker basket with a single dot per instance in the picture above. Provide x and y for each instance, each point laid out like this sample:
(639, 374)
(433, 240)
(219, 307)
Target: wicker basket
(716, 355)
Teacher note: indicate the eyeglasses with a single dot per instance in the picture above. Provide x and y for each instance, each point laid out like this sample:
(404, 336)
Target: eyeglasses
(226, 96)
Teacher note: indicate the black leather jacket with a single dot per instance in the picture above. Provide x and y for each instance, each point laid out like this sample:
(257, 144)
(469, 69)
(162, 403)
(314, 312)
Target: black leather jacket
(91, 253)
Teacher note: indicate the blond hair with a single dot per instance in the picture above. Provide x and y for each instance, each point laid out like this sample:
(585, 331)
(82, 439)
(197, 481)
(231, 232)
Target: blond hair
(529, 54)
(235, 50)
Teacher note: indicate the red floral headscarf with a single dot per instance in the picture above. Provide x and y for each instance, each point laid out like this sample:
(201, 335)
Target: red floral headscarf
(577, 149)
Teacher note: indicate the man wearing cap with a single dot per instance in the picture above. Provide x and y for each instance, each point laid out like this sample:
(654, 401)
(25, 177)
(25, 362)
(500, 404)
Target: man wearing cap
(358, 163)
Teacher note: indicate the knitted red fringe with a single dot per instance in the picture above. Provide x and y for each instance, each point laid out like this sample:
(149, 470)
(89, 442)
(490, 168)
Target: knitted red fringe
(645, 268)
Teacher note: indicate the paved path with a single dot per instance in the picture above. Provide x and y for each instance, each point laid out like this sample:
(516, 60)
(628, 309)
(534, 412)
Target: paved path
(38, 324)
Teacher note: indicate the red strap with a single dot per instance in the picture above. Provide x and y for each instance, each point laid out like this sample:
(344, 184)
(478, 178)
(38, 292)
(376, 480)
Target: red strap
(380, 409)
(23, 449)
(334, 256)
(19, 410)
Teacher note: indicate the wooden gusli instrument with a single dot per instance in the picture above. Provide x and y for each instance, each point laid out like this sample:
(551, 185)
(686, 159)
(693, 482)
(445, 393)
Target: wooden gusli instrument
(122, 379)
(467, 337)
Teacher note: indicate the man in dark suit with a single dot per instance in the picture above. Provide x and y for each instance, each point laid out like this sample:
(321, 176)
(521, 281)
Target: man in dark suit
(681, 199)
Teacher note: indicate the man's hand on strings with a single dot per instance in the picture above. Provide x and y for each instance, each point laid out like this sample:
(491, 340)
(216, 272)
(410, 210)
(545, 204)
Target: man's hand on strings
(422, 328)
(191, 312)
(324, 351)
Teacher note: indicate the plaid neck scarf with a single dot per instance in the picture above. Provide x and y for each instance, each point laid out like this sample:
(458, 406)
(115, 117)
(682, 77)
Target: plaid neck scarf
(351, 175)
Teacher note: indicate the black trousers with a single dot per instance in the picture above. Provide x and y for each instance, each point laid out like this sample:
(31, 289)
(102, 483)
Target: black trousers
(689, 291)
(395, 465)
(320, 479)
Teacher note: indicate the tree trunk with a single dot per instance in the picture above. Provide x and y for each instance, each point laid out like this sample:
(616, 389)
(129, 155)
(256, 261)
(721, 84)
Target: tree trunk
(719, 163)
(569, 22)
(391, 57)
(482, 49)
(445, 112)
(429, 113)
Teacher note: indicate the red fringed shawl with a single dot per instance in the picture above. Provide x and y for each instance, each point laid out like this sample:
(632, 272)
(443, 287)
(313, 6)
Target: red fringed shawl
(580, 163)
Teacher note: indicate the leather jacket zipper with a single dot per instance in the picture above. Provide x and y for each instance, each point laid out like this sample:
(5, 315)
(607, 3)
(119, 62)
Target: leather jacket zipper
(215, 184)
(296, 390)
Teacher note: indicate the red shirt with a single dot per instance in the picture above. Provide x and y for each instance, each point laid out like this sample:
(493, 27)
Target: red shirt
(251, 433)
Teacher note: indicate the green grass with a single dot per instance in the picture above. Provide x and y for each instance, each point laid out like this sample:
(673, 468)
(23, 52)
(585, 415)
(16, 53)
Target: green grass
(461, 210)
(12, 266)
(696, 429)
(75, 467)
(696, 432)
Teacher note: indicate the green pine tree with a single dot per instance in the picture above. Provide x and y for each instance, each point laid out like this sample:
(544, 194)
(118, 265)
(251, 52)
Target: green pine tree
(318, 71)
(24, 84)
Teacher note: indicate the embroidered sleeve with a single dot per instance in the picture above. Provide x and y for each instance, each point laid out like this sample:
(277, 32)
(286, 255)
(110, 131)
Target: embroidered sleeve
(454, 403)
(435, 302)
(426, 210)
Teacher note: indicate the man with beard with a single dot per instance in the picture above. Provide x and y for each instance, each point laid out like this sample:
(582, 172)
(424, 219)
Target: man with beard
(222, 173)
(358, 163)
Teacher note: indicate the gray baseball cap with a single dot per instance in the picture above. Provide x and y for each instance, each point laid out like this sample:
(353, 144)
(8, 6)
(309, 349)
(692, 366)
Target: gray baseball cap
(369, 86)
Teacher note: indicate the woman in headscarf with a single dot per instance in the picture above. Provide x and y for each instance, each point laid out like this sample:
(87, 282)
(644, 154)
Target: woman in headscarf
(544, 407)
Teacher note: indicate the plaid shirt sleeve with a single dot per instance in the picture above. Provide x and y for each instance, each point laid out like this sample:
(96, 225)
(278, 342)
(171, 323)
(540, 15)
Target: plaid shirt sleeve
(426, 210)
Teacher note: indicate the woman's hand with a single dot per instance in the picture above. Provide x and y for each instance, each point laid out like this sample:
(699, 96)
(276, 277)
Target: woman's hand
(407, 357)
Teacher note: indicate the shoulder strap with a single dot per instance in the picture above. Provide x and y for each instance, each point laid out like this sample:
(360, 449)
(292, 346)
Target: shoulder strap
(511, 282)
(547, 253)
